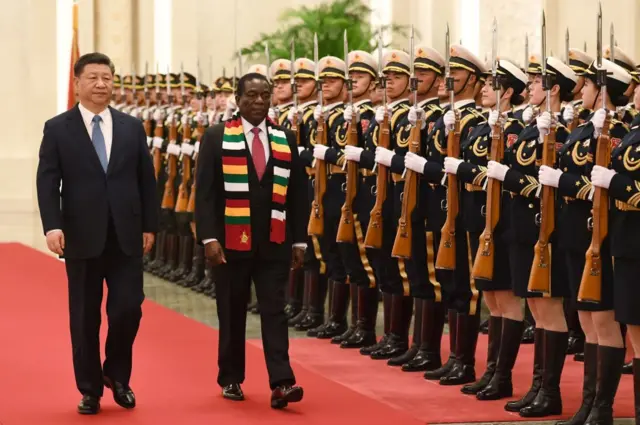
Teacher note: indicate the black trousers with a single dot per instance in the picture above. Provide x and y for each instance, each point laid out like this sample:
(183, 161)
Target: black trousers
(123, 275)
(233, 281)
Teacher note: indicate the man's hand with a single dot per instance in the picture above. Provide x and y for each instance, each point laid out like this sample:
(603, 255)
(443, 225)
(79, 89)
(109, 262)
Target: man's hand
(55, 241)
(214, 254)
(298, 257)
(147, 242)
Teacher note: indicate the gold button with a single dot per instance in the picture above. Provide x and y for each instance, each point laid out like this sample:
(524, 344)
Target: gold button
(530, 205)
(565, 169)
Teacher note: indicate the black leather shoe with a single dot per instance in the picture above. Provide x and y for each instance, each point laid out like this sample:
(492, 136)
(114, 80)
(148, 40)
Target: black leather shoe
(283, 395)
(233, 392)
(89, 405)
(122, 394)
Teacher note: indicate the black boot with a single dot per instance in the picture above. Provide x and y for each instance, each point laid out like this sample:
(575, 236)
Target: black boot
(306, 293)
(197, 268)
(436, 374)
(337, 323)
(295, 292)
(398, 341)
(484, 327)
(365, 333)
(548, 402)
(528, 336)
(158, 261)
(536, 383)
(326, 291)
(353, 296)
(588, 386)
(464, 369)
(610, 360)
(317, 294)
(432, 326)
(493, 348)
(576, 335)
(636, 387)
(386, 310)
(627, 369)
(417, 334)
(184, 259)
(171, 260)
(500, 385)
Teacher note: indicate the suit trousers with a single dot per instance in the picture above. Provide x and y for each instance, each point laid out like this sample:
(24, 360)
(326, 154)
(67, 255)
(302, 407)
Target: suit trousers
(233, 280)
(123, 275)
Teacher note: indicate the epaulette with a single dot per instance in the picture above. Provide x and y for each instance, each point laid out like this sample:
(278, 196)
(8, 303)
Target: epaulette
(367, 107)
(514, 120)
(434, 107)
(475, 112)
(615, 122)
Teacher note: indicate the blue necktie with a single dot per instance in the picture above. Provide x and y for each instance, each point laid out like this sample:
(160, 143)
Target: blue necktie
(98, 142)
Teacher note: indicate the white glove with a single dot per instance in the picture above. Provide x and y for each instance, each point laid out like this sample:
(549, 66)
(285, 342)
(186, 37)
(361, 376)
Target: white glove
(173, 149)
(549, 176)
(185, 120)
(300, 149)
(451, 165)
(384, 156)
(134, 112)
(158, 115)
(319, 111)
(196, 148)
(347, 115)
(231, 108)
(157, 142)
(319, 152)
(449, 121)
(145, 115)
(414, 162)
(293, 112)
(169, 119)
(187, 149)
(497, 171)
(598, 121)
(544, 123)
(568, 113)
(601, 176)
(352, 153)
(201, 118)
(273, 114)
(380, 113)
(416, 114)
(149, 141)
(527, 115)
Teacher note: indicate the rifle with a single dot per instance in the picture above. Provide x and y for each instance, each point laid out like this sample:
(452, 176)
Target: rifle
(169, 196)
(183, 193)
(158, 131)
(316, 220)
(591, 283)
(575, 121)
(540, 277)
(402, 244)
(294, 90)
(147, 98)
(373, 239)
(485, 258)
(446, 259)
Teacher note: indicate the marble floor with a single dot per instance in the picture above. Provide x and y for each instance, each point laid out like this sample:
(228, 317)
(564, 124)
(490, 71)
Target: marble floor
(26, 228)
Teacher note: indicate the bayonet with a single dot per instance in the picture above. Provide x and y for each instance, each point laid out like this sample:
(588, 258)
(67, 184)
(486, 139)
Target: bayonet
(267, 55)
(183, 92)
(585, 47)
(158, 95)
(381, 77)
(566, 47)
(199, 91)
(602, 73)
(123, 97)
(240, 63)
(147, 95)
(169, 95)
(317, 69)
(292, 79)
(613, 43)
(495, 63)
(546, 78)
(526, 52)
(233, 82)
(133, 85)
(447, 68)
(414, 80)
(346, 63)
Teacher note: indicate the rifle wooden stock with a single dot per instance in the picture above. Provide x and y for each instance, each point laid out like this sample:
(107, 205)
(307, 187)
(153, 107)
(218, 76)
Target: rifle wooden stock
(157, 153)
(402, 244)
(147, 125)
(591, 283)
(346, 228)
(169, 195)
(316, 220)
(485, 257)
(373, 239)
(446, 258)
(540, 277)
(183, 190)
(191, 205)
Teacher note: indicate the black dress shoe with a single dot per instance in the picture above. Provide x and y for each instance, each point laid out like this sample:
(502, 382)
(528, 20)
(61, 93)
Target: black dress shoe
(122, 394)
(283, 395)
(233, 392)
(89, 405)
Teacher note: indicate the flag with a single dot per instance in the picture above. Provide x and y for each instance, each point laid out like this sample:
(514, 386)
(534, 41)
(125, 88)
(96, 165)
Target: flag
(75, 54)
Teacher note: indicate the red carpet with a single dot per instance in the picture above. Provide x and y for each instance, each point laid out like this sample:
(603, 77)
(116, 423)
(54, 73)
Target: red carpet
(175, 370)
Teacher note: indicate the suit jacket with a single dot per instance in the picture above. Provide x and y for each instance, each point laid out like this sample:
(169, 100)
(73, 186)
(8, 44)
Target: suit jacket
(89, 198)
(210, 199)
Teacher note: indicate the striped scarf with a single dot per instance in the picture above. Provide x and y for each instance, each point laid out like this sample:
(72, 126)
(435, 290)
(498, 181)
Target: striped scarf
(237, 213)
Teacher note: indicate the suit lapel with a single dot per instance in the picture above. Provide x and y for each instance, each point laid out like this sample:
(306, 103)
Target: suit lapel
(117, 142)
(79, 132)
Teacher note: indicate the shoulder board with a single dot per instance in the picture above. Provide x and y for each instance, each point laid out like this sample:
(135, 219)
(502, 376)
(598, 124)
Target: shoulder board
(475, 112)
(366, 107)
(433, 107)
(618, 122)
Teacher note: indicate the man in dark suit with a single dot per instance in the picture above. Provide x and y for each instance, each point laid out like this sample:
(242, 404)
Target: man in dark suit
(251, 215)
(102, 220)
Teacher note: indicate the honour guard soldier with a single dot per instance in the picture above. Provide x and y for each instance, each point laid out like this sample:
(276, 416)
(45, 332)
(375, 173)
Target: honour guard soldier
(420, 257)
(116, 96)
(460, 293)
(282, 91)
(628, 113)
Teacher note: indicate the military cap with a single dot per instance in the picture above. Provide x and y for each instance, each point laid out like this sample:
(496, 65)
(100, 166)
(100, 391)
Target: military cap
(361, 61)
(139, 82)
(462, 58)
(150, 79)
(202, 88)
(189, 80)
(618, 78)
(396, 61)
(162, 80)
(564, 76)
(515, 77)
(174, 80)
(127, 81)
(116, 80)
(280, 69)
(579, 61)
(428, 58)
(257, 69)
(304, 68)
(535, 64)
(331, 66)
(624, 60)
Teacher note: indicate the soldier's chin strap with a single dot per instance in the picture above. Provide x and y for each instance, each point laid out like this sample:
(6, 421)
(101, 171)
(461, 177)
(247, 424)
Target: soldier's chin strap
(464, 86)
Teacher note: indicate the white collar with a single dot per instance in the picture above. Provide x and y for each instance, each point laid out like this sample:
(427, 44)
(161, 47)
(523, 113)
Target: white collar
(462, 103)
(361, 102)
(87, 115)
(424, 102)
(304, 105)
(284, 105)
(332, 106)
(247, 126)
(396, 102)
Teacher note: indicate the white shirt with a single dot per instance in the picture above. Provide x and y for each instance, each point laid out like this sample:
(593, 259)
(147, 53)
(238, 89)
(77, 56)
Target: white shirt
(247, 127)
(106, 125)
(424, 102)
